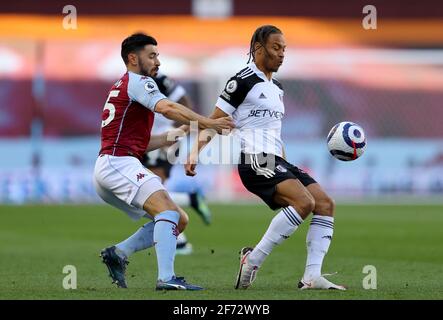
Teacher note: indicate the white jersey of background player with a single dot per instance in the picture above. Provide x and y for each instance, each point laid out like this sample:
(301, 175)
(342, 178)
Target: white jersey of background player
(157, 160)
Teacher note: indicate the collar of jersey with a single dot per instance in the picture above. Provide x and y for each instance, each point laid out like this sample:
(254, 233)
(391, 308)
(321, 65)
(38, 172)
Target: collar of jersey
(258, 72)
(137, 74)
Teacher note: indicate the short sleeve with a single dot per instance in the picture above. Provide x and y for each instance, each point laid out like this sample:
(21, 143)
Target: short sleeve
(233, 95)
(170, 88)
(176, 94)
(145, 91)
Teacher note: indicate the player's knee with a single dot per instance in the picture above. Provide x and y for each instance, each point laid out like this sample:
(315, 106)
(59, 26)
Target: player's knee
(158, 203)
(308, 205)
(329, 204)
(325, 206)
(305, 207)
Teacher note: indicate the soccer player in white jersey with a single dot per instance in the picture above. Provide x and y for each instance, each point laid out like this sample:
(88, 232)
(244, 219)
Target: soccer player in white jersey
(120, 178)
(255, 100)
(158, 162)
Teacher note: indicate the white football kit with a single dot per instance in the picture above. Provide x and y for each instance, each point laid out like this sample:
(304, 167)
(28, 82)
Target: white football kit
(174, 92)
(256, 106)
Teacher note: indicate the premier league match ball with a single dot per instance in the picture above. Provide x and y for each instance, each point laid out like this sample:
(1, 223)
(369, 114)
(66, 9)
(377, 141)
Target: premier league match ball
(346, 141)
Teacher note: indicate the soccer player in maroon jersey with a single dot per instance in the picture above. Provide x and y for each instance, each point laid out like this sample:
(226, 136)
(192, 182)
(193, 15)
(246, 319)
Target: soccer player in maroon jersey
(120, 178)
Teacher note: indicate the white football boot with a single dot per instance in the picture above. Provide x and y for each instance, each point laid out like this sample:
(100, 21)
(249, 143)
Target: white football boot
(248, 272)
(319, 283)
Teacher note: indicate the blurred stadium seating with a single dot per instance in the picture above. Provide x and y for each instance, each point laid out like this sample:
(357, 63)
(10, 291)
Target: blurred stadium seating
(53, 84)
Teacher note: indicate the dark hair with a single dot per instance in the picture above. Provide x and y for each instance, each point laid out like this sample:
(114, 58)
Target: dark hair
(135, 42)
(261, 35)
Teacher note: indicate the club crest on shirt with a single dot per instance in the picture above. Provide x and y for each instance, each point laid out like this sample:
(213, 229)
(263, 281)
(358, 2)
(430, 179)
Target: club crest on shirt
(231, 86)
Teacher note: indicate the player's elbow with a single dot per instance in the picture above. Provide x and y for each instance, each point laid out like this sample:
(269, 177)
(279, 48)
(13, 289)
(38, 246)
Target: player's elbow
(165, 108)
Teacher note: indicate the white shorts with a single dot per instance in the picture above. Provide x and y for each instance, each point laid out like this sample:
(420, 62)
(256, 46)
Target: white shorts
(125, 183)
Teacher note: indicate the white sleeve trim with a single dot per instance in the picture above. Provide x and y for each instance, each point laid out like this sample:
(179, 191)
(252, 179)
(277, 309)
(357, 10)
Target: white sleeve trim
(154, 102)
(226, 107)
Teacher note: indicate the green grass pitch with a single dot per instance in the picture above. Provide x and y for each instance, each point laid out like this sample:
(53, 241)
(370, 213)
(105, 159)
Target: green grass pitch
(404, 243)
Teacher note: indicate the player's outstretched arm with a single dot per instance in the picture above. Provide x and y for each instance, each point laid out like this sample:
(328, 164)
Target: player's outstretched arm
(180, 113)
(202, 140)
(168, 138)
(186, 101)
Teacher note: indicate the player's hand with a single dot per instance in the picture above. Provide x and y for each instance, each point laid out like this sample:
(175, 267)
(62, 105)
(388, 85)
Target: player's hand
(191, 163)
(190, 169)
(222, 125)
(183, 128)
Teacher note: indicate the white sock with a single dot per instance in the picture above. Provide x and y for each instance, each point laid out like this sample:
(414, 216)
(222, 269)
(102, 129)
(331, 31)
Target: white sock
(318, 240)
(181, 199)
(282, 226)
(143, 238)
(165, 241)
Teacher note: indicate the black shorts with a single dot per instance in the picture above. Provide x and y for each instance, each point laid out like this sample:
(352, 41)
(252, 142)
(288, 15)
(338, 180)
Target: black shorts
(260, 174)
(157, 159)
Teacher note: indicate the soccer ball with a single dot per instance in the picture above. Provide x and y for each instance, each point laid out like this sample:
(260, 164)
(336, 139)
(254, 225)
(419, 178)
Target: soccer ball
(346, 141)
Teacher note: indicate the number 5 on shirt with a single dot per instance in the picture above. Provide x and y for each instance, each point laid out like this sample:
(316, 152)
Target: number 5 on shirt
(110, 107)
